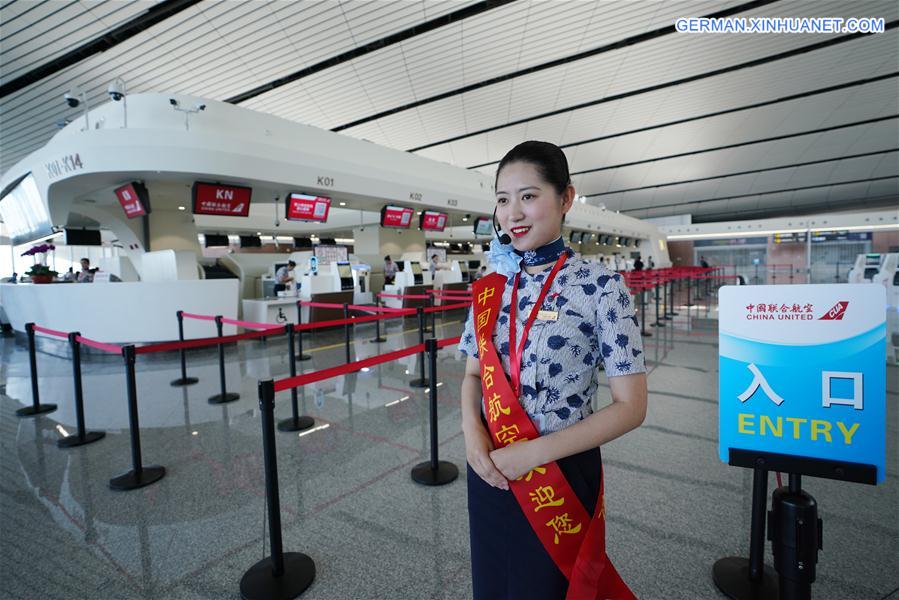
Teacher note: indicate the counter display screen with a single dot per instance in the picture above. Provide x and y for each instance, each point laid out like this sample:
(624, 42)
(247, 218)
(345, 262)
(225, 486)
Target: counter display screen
(344, 271)
(134, 199)
(396, 216)
(483, 226)
(221, 200)
(301, 207)
(416, 268)
(432, 221)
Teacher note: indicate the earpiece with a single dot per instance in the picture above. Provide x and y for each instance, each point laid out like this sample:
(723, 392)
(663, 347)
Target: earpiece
(504, 238)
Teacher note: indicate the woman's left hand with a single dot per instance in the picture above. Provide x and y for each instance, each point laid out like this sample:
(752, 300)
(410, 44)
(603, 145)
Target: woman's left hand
(515, 460)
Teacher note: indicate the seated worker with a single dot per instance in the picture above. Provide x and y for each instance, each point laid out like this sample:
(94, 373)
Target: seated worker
(85, 275)
(389, 270)
(284, 277)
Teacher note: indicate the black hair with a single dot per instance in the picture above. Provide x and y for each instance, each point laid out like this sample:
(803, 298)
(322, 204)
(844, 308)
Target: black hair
(86, 259)
(548, 159)
(386, 258)
(290, 263)
(434, 256)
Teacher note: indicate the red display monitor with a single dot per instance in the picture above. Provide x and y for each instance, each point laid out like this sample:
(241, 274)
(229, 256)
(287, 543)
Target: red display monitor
(397, 217)
(431, 220)
(221, 200)
(301, 207)
(134, 199)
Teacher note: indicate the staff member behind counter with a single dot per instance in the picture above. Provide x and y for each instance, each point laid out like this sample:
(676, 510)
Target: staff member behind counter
(284, 277)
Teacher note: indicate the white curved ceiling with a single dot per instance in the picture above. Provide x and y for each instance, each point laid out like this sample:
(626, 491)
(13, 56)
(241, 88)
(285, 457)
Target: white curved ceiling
(654, 123)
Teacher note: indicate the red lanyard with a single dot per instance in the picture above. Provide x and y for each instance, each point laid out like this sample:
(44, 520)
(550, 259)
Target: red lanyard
(515, 352)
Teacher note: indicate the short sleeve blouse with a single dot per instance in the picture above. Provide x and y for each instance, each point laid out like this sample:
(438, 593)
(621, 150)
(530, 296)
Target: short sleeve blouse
(596, 325)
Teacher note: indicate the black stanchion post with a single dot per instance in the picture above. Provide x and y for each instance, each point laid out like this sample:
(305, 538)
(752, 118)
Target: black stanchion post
(658, 322)
(689, 290)
(36, 407)
(665, 282)
(281, 575)
(433, 302)
(643, 331)
(83, 436)
(434, 471)
(184, 380)
(422, 381)
(671, 297)
(300, 356)
(295, 422)
(139, 475)
(224, 396)
(346, 332)
(378, 339)
(795, 535)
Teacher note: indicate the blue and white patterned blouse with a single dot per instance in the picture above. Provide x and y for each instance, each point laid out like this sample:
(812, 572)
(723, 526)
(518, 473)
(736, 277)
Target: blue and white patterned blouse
(596, 325)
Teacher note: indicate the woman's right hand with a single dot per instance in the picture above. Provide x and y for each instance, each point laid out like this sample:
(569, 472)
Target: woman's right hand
(477, 451)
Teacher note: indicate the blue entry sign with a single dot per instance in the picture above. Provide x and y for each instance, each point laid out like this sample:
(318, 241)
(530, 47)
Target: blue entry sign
(803, 371)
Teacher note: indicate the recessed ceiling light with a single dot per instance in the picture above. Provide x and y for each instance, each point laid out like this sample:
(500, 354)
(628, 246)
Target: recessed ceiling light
(258, 233)
(181, 208)
(343, 203)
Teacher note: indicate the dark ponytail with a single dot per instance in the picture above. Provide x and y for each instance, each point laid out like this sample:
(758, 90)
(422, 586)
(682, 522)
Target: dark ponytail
(548, 159)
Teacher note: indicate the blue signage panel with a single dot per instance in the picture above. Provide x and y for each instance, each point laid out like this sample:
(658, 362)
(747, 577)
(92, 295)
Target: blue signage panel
(803, 371)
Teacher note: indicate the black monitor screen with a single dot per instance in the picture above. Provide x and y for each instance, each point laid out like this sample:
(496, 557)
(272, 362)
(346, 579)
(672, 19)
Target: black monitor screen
(83, 237)
(250, 241)
(214, 239)
(474, 264)
(302, 242)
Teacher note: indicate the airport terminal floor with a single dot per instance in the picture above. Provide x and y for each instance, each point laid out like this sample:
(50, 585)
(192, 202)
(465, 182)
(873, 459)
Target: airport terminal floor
(347, 498)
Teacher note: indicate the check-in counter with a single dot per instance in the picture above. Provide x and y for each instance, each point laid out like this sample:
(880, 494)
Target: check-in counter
(122, 312)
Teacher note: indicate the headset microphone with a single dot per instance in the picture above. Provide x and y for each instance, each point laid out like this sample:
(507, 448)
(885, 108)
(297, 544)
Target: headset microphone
(504, 238)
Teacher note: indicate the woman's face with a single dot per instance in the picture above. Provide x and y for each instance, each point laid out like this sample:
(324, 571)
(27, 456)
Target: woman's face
(528, 208)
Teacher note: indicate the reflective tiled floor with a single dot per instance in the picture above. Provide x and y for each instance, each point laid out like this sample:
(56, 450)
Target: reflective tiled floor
(346, 494)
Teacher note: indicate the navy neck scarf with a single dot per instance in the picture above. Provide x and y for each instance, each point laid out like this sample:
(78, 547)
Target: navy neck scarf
(544, 254)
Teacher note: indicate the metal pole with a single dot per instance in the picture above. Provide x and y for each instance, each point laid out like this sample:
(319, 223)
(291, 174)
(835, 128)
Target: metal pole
(224, 395)
(643, 331)
(422, 381)
(378, 339)
(346, 331)
(36, 408)
(300, 356)
(295, 422)
(658, 322)
(185, 380)
(138, 476)
(279, 575)
(757, 523)
(433, 471)
(83, 436)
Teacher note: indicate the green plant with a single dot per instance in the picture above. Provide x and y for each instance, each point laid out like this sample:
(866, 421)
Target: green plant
(39, 270)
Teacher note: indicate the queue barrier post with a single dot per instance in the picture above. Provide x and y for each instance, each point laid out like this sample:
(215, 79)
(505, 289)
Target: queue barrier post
(300, 356)
(434, 471)
(689, 291)
(378, 339)
(296, 422)
(224, 396)
(36, 407)
(83, 436)
(280, 575)
(658, 322)
(346, 332)
(421, 382)
(665, 281)
(139, 475)
(643, 331)
(671, 295)
(737, 577)
(184, 379)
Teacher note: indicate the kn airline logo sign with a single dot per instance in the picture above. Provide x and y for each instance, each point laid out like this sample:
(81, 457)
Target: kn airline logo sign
(767, 311)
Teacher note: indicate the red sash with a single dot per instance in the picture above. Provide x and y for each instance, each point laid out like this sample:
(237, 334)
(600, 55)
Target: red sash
(575, 541)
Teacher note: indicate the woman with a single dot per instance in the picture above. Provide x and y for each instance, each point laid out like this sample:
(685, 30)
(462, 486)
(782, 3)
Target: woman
(542, 324)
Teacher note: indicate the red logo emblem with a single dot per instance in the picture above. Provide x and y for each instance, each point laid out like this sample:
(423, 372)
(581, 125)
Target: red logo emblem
(836, 313)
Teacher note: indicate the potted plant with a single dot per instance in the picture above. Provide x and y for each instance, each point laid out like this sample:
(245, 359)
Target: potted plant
(40, 272)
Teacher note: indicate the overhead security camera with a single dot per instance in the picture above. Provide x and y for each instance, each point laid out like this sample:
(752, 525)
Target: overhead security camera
(71, 100)
(173, 102)
(116, 90)
(199, 107)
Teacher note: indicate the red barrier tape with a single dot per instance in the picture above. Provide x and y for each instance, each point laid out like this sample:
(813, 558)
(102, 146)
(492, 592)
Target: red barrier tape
(360, 307)
(203, 342)
(468, 291)
(50, 331)
(292, 382)
(111, 348)
(410, 296)
(198, 317)
(448, 342)
(250, 325)
(447, 307)
(351, 320)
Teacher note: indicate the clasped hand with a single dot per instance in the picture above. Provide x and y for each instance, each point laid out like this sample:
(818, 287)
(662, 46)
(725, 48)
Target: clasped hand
(497, 467)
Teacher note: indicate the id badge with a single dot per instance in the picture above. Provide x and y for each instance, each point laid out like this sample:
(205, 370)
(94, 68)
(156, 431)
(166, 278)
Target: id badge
(547, 315)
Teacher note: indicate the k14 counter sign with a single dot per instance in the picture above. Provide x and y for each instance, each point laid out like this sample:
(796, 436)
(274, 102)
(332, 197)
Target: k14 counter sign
(803, 371)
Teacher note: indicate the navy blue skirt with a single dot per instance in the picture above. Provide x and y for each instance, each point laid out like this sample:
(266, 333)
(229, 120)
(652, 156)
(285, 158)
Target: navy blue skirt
(507, 558)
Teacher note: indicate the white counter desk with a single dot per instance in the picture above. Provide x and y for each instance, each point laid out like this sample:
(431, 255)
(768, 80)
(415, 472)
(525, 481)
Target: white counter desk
(122, 312)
